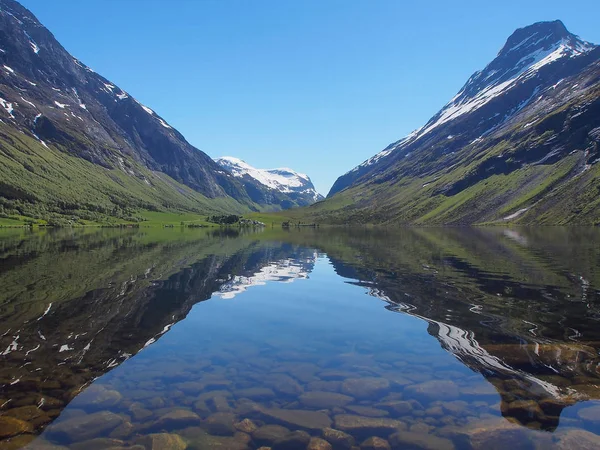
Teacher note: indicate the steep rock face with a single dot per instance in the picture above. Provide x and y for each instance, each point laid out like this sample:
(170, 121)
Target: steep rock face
(48, 95)
(530, 116)
(281, 188)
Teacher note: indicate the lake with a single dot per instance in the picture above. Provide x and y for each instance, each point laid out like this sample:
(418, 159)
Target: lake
(417, 338)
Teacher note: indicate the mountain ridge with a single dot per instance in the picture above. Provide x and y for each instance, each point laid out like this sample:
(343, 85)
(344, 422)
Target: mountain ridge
(280, 187)
(474, 138)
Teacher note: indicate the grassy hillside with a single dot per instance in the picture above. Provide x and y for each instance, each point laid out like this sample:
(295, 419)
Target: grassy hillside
(40, 184)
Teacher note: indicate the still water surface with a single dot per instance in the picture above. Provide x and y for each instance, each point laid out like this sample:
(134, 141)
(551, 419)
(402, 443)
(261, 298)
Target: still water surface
(305, 339)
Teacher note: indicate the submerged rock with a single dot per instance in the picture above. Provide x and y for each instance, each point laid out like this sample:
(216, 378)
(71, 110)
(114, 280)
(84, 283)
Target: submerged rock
(322, 399)
(433, 390)
(176, 419)
(221, 424)
(97, 444)
(98, 397)
(81, 428)
(268, 434)
(576, 439)
(367, 411)
(296, 440)
(11, 426)
(375, 443)
(338, 439)
(590, 414)
(318, 444)
(247, 426)
(361, 426)
(365, 388)
(297, 418)
(419, 441)
(162, 441)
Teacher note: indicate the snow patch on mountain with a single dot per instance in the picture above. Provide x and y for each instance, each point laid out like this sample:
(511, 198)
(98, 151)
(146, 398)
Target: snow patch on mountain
(525, 68)
(281, 179)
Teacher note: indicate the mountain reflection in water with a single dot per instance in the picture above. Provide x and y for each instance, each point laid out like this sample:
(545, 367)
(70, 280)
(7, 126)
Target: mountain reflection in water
(518, 307)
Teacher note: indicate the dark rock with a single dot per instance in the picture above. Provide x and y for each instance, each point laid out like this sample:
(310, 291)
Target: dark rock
(433, 390)
(375, 443)
(365, 388)
(247, 426)
(85, 427)
(367, 411)
(296, 440)
(297, 418)
(323, 400)
(268, 434)
(419, 441)
(162, 441)
(338, 439)
(318, 444)
(367, 426)
(176, 419)
(221, 424)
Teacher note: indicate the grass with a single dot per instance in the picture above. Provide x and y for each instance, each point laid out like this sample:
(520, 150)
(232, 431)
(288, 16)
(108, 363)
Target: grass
(47, 184)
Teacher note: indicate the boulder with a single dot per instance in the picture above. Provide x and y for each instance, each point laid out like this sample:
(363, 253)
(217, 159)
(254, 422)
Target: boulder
(338, 439)
(11, 426)
(375, 443)
(82, 428)
(574, 438)
(162, 441)
(297, 418)
(97, 397)
(364, 427)
(318, 444)
(221, 424)
(419, 441)
(247, 426)
(175, 420)
(366, 387)
(367, 411)
(296, 440)
(268, 434)
(433, 390)
(323, 400)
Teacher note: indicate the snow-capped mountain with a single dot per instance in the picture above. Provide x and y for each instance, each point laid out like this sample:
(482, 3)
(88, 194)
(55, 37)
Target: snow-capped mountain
(281, 187)
(523, 108)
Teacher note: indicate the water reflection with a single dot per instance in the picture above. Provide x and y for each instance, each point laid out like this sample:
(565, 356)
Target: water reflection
(515, 312)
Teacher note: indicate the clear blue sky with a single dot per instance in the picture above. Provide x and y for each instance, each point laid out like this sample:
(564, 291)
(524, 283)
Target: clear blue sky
(315, 85)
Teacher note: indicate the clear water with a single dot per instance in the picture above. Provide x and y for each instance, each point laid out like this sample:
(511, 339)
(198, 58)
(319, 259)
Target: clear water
(422, 338)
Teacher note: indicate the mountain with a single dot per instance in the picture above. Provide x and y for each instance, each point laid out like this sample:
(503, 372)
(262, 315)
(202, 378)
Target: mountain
(519, 142)
(75, 144)
(279, 188)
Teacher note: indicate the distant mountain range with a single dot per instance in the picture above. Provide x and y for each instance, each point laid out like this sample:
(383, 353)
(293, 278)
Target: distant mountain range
(75, 145)
(519, 143)
(282, 188)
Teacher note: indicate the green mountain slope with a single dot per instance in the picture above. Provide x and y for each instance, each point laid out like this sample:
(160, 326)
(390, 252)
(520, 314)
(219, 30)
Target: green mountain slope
(519, 143)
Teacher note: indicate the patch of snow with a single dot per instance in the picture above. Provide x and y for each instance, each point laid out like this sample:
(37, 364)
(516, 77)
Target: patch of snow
(122, 96)
(32, 43)
(163, 123)
(27, 101)
(50, 305)
(60, 105)
(515, 214)
(65, 348)
(7, 106)
(12, 347)
(9, 69)
(31, 83)
(148, 110)
(526, 68)
(282, 179)
(284, 271)
(32, 350)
